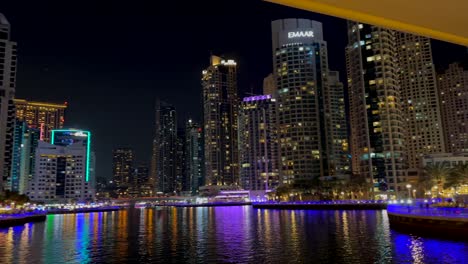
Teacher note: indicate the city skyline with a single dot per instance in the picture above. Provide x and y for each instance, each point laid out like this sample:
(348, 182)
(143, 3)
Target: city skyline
(89, 96)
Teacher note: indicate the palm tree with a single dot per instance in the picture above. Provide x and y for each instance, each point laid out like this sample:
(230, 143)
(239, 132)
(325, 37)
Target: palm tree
(458, 176)
(436, 174)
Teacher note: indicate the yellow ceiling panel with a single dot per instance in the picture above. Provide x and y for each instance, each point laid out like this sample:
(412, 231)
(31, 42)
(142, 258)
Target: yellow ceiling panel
(444, 20)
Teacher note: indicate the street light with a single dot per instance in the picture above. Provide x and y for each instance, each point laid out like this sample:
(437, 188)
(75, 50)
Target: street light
(408, 186)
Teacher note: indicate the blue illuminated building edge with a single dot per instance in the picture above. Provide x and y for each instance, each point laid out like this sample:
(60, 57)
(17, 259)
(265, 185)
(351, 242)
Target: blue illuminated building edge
(88, 147)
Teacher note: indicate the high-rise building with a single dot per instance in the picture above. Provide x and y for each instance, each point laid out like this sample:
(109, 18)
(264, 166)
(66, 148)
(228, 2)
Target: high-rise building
(142, 180)
(376, 117)
(25, 141)
(220, 106)
(193, 156)
(300, 67)
(453, 95)
(67, 137)
(181, 174)
(269, 85)
(337, 126)
(258, 143)
(419, 98)
(60, 171)
(122, 164)
(7, 93)
(163, 163)
(41, 115)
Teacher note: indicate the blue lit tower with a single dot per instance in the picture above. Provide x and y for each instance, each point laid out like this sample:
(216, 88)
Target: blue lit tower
(25, 141)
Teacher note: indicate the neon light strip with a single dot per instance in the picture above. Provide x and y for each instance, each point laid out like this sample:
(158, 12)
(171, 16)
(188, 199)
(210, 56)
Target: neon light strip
(88, 147)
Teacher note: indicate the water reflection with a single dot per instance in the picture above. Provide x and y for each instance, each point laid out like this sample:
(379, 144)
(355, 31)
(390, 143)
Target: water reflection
(222, 235)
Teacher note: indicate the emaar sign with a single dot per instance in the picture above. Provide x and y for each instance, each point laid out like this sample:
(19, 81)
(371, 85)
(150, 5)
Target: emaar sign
(301, 34)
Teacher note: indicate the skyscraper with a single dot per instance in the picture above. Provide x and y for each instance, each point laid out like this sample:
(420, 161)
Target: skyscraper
(419, 98)
(25, 141)
(376, 117)
(122, 167)
(194, 156)
(41, 115)
(163, 162)
(60, 172)
(300, 67)
(181, 174)
(337, 126)
(7, 93)
(453, 94)
(220, 105)
(67, 137)
(258, 143)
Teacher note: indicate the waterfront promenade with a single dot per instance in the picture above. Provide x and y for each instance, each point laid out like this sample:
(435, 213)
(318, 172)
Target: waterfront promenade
(324, 205)
(439, 221)
(20, 218)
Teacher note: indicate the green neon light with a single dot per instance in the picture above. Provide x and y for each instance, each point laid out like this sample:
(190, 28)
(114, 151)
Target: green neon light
(88, 147)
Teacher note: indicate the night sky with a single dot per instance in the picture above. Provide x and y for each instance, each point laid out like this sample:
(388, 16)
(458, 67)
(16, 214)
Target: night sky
(110, 61)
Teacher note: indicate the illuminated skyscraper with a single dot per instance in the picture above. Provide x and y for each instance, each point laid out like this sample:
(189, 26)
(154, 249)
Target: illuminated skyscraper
(258, 143)
(376, 117)
(419, 98)
(453, 94)
(163, 163)
(7, 93)
(41, 115)
(181, 174)
(25, 141)
(122, 164)
(220, 105)
(67, 137)
(300, 66)
(194, 156)
(60, 170)
(337, 126)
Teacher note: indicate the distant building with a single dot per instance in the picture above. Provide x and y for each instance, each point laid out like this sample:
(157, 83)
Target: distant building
(163, 162)
(41, 115)
(220, 105)
(419, 98)
(7, 93)
(122, 167)
(376, 116)
(25, 142)
(182, 183)
(258, 143)
(305, 102)
(141, 181)
(453, 95)
(269, 85)
(194, 156)
(60, 173)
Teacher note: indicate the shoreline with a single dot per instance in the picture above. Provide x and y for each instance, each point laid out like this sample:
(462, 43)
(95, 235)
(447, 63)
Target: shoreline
(82, 210)
(212, 204)
(321, 206)
(17, 221)
(424, 225)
